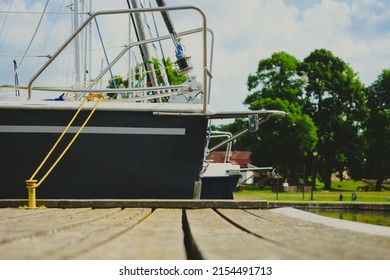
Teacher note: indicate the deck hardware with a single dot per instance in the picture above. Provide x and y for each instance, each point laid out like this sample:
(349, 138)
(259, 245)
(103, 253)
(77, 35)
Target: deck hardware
(253, 123)
(31, 187)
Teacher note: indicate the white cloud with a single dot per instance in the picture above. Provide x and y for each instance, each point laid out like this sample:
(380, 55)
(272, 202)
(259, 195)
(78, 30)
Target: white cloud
(371, 11)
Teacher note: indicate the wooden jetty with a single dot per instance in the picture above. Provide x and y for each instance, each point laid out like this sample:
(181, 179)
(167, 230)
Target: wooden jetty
(177, 230)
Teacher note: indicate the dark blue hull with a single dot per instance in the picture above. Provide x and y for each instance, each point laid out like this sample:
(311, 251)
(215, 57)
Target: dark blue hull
(219, 187)
(119, 155)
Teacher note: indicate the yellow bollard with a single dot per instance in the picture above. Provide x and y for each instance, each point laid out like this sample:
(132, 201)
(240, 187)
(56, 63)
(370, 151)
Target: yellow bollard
(31, 186)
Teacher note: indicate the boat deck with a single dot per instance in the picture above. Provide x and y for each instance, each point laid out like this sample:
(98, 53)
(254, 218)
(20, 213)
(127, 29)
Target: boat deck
(177, 230)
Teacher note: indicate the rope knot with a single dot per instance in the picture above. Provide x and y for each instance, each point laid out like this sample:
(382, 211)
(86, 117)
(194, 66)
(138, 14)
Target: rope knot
(31, 184)
(95, 97)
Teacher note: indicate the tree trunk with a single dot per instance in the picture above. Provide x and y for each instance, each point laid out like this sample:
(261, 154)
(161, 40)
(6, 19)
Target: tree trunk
(378, 184)
(327, 172)
(294, 175)
(327, 183)
(341, 175)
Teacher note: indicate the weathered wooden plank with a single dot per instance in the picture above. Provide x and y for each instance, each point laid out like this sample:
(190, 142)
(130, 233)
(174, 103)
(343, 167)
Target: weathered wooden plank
(159, 236)
(133, 233)
(215, 238)
(71, 241)
(46, 221)
(13, 213)
(321, 240)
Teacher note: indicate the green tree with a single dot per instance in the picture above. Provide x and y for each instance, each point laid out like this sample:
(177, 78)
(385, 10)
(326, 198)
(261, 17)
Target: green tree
(169, 71)
(378, 129)
(281, 141)
(117, 82)
(335, 100)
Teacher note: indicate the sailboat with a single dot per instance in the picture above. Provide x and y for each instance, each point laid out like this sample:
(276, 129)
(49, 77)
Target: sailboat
(147, 146)
(220, 179)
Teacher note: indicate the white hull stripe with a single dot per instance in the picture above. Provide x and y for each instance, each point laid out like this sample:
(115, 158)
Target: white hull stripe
(93, 130)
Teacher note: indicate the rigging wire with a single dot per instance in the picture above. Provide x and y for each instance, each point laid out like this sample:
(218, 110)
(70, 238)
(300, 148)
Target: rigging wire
(105, 53)
(144, 59)
(65, 53)
(161, 48)
(5, 20)
(146, 22)
(157, 32)
(32, 39)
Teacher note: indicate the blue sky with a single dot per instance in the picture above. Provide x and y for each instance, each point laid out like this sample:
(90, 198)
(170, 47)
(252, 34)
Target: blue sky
(246, 31)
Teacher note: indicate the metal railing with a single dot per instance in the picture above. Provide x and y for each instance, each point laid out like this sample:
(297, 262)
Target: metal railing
(203, 29)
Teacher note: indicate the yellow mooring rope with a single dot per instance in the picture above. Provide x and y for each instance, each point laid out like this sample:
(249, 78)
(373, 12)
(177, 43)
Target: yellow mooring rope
(32, 183)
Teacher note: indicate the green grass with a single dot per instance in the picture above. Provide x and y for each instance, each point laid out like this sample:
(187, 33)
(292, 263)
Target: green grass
(347, 188)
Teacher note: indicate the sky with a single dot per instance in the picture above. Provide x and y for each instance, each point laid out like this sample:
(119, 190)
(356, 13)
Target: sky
(246, 31)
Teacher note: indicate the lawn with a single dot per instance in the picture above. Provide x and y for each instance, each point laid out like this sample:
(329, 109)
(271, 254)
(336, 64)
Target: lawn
(346, 188)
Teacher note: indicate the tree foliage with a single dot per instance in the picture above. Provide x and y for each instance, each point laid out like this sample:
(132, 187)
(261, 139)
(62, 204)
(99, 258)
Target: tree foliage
(378, 129)
(327, 106)
(286, 141)
(165, 68)
(165, 73)
(335, 100)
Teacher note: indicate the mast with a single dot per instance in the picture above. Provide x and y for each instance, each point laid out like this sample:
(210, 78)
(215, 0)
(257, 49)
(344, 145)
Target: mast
(89, 40)
(130, 62)
(182, 61)
(76, 24)
(77, 45)
(144, 47)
